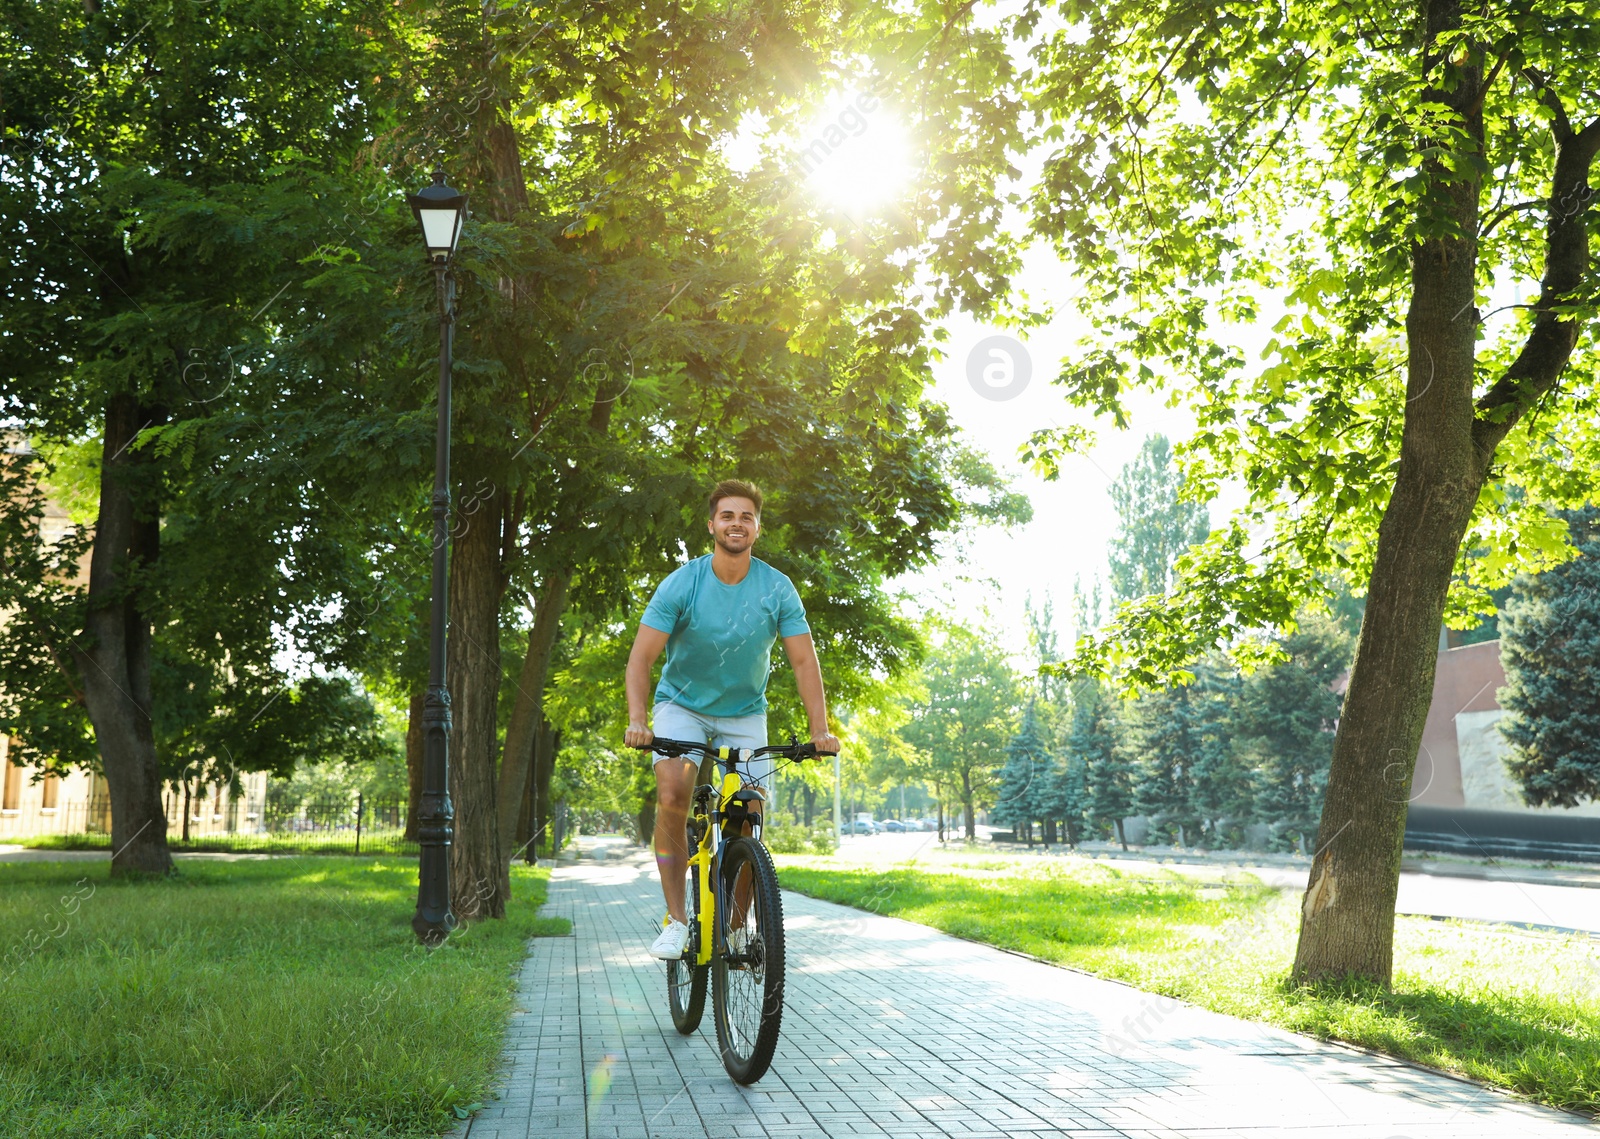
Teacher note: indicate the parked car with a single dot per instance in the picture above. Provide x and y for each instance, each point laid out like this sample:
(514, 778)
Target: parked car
(860, 826)
(894, 826)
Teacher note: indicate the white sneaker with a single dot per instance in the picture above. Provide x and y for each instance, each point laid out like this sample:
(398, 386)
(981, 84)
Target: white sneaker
(670, 945)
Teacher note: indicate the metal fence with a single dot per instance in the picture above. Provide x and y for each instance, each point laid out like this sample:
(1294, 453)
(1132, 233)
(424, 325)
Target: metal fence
(356, 825)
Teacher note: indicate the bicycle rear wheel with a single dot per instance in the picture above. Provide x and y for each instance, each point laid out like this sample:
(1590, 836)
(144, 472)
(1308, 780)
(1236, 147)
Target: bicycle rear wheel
(686, 981)
(747, 975)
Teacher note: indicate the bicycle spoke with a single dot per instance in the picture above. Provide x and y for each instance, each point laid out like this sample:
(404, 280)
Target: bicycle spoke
(746, 980)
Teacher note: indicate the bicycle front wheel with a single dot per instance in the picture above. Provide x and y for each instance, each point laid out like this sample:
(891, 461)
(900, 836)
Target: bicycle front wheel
(686, 981)
(747, 970)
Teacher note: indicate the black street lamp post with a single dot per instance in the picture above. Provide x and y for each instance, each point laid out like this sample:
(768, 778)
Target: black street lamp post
(440, 211)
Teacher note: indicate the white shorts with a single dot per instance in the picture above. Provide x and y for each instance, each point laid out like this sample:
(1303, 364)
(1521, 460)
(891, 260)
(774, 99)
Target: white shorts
(671, 722)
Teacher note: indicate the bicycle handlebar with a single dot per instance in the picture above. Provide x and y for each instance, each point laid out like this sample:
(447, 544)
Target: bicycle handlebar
(678, 748)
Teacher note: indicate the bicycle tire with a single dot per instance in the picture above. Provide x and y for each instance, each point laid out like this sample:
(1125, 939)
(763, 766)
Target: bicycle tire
(747, 997)
(686, 981)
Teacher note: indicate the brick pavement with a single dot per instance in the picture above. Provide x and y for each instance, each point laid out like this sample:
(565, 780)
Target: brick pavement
(891, 1028)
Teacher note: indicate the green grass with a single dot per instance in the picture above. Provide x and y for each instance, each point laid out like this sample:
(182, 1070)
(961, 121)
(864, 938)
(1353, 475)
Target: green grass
(385, 840)
(264, 998)
(1517, 1009)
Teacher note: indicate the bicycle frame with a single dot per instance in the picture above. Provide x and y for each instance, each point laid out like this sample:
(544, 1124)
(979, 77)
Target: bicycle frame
(710, 804)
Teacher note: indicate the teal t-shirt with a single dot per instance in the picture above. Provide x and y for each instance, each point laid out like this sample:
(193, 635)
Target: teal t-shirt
(719, 637)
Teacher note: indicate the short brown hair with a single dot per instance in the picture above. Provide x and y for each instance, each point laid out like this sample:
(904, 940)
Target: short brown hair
(734, 488)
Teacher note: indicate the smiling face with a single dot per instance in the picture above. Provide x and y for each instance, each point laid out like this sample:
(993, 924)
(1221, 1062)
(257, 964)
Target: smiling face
(735, 525)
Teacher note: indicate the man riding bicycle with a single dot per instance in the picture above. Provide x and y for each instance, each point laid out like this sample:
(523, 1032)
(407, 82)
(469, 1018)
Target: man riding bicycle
(717, 618)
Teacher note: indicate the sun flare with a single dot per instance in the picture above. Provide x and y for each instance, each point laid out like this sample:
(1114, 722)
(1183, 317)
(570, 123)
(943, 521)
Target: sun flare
(856, 157)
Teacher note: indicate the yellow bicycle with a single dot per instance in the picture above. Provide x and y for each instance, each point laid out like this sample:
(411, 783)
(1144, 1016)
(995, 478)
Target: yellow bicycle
(735, 913)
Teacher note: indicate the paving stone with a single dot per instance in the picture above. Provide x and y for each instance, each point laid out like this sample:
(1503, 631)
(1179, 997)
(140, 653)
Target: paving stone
(893, 1029)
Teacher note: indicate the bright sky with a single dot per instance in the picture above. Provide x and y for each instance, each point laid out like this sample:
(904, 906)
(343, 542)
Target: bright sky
(862, 160)
(1073, 517)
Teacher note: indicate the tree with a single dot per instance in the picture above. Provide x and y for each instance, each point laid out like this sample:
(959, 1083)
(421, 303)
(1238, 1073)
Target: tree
(1439, 149)
(624, 283)
(1164, 738)
(1286, 720)
(1062, 797)
(964, 721)
(155, 233)
(1157, 525)
(1550, 646)
(1093, 742)
(1021, 794)
(1222, 795)
(1067, 797)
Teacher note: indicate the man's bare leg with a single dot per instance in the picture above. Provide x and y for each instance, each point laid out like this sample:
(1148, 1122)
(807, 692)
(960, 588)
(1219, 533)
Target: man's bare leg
(674, 788)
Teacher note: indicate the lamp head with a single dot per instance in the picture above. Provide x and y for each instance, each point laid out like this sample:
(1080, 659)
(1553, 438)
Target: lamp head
(440, 211)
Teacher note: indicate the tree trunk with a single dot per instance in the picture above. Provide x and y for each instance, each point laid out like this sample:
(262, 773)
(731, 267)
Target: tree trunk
(115, 658)
(414, 770)
(526, 832)
(527, 711)
(808, 795)
(1347, 917)
(966, 806)
(479, 879)
(646, 820)
(545, 749)
(1121, 835)
(1347, 924)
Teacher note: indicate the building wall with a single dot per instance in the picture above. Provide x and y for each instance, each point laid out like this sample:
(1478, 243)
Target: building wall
(1461, 760)
(44, 807)
(79, 803)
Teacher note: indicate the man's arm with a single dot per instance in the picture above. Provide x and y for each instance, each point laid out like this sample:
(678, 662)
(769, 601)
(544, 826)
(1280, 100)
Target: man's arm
(808, 678)
(648, 644)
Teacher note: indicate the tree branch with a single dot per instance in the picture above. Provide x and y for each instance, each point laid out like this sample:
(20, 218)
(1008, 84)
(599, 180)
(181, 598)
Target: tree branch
(1488, 82)
(1562, 126)
(1554, 335)
(1500, 215)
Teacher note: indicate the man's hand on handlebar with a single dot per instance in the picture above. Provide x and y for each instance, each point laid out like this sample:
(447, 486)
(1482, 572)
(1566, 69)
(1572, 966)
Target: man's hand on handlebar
(645, 740)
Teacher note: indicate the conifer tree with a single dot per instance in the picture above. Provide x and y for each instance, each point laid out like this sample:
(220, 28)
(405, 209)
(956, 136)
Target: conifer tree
(1068, 798)
(1287, 716)
(1022, 794)
(1222, 796)
(1092, 741)
(1550, 646)
(1162, 744)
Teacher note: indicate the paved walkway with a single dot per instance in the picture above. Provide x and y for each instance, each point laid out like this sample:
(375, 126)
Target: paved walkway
(891, 1028)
